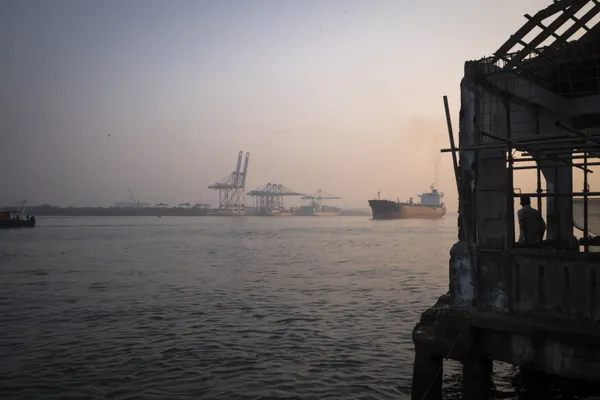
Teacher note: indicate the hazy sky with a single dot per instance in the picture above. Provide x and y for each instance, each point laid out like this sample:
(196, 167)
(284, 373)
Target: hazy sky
(339, 95)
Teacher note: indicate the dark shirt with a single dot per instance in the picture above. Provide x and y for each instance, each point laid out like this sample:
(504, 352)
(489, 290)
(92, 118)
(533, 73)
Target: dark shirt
(531, 225)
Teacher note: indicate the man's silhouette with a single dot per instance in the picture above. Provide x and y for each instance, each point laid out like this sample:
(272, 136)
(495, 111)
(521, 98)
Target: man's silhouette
(531, 224)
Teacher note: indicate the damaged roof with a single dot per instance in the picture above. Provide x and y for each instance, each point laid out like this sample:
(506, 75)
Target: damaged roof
(558, 48)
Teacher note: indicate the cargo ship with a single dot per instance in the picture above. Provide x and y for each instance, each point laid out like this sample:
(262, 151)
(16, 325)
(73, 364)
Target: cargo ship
(430, 206)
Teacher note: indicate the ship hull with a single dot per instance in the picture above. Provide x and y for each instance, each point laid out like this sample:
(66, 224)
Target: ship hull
(17, 223)
(385, 209)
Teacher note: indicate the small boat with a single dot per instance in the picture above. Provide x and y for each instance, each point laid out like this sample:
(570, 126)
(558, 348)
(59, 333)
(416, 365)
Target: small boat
(16, 218)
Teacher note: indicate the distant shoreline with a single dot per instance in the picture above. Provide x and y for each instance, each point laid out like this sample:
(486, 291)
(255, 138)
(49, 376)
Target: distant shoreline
(55, 211)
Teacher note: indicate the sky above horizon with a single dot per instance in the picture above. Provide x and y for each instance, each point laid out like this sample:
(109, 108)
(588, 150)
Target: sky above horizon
(159, 97)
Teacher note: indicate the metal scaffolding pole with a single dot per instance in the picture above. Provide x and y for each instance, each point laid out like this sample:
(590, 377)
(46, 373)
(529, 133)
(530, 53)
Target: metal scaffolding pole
(586, 247)
(568, 142)
(529, 158)
(538, 169)
(510, 222)
(582, 135)
(538, 172)
(583, 165)
(572, 194)
(527, 147)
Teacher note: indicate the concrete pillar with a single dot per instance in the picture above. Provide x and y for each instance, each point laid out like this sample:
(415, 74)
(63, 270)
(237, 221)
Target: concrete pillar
(533, 384)
(462, 268)
(468, 136)
(477, 378)
(427, 375)
(559, 215)
(462, 276)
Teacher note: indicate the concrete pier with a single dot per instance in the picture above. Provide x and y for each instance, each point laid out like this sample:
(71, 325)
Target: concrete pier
(533, 305)
(428, 372)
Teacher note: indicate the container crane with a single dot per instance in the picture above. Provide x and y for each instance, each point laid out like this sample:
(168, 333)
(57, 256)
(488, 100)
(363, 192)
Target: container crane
(231, 189)
(134, 202)
(269, 197)
(316, 199)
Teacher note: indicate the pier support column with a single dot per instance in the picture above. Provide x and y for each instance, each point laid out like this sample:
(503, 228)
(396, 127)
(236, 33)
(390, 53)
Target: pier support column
(477, 378)
(427, 375)
(559, 210)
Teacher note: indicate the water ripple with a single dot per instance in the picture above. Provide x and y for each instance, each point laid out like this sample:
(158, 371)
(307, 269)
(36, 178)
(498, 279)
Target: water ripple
(216, 308)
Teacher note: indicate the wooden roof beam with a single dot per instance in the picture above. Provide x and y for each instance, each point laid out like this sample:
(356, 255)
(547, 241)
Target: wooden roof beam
(541, 15)
(557, 23)
(578, 24)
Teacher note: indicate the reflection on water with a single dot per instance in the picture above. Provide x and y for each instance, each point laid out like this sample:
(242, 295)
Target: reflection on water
(230, 308)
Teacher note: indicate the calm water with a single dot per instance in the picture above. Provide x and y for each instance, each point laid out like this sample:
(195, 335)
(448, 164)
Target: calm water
(232, 308)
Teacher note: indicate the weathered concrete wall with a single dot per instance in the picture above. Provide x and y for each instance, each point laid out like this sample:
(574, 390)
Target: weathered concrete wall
(493, 207)
(573, 358)
(462, 276)
(462, 265)
(536, 308)
(495, 282)
(533, 111)
(540, 283)
(485, 189)
(555, 345)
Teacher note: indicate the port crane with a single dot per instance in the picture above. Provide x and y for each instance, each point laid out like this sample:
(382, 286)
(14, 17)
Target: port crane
(134, 202)
(270, 196)
(316, 199)
(232, 189)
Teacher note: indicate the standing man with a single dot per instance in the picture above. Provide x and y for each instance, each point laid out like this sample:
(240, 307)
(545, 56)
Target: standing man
(531, 224)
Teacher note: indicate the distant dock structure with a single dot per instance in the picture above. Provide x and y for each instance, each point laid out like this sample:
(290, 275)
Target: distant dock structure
(316, 207)
(133, 203)
(268, 199)
(232, 189)
(536, 306)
